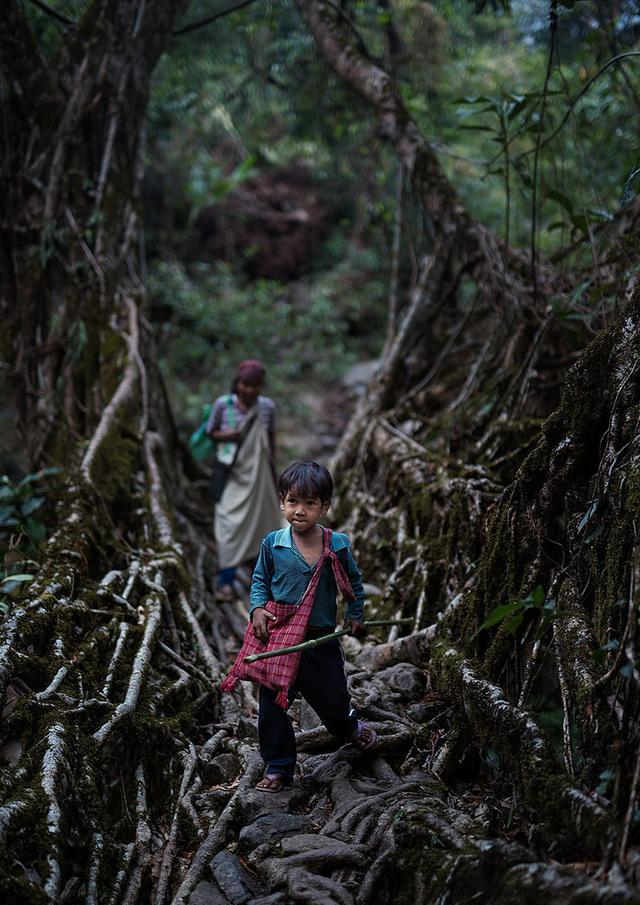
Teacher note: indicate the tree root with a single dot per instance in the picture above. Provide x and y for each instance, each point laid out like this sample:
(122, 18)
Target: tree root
(123, 394)
(53, 766)
(139, 668)
(216, 838)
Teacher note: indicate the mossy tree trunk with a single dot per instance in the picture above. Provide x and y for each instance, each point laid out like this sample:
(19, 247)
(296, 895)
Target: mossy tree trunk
(71, 174)
(103, 665)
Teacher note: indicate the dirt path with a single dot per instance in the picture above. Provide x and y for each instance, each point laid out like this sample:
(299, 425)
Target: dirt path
(326, 411)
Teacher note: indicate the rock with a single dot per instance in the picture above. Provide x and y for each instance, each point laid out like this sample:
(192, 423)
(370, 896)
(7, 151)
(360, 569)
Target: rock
(309, 719)
(419, 712)
(358, 376)
(276, 898)
(221, 770)
(272, 828)
(404, 679)
(232, 878)
(256, 803)
(304, 842)
(206, 893)
(257, 855)
(246, 728)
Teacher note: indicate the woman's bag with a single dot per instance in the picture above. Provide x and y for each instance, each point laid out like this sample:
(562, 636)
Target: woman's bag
(290, 627)
(200, 443)
(218, 479)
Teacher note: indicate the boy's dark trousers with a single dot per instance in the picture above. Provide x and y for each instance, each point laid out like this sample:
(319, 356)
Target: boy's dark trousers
(322, 683)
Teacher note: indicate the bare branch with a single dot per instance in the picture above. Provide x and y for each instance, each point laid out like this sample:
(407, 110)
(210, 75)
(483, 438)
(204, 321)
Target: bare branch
(201, 23)
(53, 13)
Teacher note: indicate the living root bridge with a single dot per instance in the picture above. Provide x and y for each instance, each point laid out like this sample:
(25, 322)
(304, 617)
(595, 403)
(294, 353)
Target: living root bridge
(129, 777)
(362, 828)
(525, 748)
(514, 302)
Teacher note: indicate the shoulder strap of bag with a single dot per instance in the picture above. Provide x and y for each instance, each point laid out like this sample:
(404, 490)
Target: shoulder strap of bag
(226, 445)
(231, 411)
(245, 430)
(341, 577)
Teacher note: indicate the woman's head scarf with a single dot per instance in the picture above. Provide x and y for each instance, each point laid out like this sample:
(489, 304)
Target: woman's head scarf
(251, 370)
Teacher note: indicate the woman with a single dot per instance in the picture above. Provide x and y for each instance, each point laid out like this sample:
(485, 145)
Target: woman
(242, 423)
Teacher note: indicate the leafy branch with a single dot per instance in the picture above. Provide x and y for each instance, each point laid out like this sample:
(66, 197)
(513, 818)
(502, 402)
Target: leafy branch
(510, 615)
(22, 528)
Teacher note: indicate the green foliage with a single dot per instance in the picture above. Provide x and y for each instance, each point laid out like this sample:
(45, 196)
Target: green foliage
(586, 149)
(510, 615)
(22, 527)
(251, 92)
(496, 5)
(254, 83)
(216, 319)
(51, 32)
(207, 181)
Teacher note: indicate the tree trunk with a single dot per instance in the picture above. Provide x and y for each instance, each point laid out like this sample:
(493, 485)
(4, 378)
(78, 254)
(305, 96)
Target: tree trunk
(71, 179)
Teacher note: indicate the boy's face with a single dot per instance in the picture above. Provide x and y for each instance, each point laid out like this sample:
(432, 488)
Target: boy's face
(302, 512)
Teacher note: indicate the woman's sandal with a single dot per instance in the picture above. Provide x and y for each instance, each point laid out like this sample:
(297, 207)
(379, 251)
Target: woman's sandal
(364, 737)
(224, 594)
(274, 782)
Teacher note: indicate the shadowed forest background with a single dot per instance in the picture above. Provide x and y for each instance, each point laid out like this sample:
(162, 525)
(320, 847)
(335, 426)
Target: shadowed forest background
(423, 218)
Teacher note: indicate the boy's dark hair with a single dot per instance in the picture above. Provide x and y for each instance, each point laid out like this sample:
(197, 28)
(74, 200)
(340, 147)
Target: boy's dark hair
(308, 479)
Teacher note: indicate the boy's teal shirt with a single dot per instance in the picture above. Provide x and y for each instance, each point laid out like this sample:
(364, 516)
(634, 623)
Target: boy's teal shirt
(283, 574)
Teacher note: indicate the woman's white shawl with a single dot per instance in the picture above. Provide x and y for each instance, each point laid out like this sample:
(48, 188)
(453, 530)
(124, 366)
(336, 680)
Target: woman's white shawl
(249, 507)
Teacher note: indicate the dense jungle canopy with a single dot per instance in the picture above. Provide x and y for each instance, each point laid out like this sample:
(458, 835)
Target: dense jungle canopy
(442, 196)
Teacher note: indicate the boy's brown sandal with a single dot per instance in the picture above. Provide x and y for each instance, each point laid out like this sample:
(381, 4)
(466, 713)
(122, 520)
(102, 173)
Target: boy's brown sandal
(274, 782)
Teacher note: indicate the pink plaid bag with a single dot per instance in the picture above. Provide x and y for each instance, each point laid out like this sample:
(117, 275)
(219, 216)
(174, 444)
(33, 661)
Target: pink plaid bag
(289, 628)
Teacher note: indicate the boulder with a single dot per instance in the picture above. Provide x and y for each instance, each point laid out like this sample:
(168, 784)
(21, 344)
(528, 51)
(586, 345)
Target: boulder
(271, 828)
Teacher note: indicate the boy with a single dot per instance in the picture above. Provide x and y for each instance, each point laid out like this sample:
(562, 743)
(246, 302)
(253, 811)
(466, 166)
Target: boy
(282, 573)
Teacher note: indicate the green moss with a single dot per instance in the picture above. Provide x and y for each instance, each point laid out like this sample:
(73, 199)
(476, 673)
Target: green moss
(116, 460)
(14, 888)
(423, 860)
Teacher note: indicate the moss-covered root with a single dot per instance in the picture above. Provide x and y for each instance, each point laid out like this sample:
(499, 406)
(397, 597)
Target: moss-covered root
(549, 792)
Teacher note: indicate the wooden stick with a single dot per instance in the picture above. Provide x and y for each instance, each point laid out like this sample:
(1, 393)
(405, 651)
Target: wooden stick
(314, 642)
